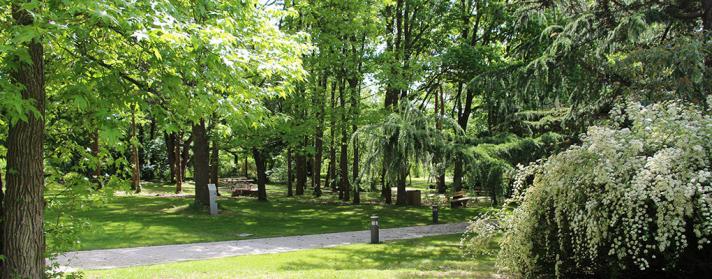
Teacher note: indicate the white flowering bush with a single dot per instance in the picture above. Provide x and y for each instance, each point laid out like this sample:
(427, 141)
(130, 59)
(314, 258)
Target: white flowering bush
(633, 198)
(480, 235)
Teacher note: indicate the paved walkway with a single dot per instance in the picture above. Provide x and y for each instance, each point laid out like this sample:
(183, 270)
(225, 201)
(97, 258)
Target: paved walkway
(126, 257)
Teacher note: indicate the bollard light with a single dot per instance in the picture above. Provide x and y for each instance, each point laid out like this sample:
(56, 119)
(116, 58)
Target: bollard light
(374, 230)
(435, 213)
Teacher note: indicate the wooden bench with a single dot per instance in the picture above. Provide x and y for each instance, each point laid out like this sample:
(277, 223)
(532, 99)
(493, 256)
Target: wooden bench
(459, 199)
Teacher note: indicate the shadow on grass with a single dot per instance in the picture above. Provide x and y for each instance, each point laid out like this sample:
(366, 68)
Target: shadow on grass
(440, 257)
(136, 220)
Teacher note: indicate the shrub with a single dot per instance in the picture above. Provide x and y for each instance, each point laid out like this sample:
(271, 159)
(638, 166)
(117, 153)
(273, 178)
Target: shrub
(633, 199)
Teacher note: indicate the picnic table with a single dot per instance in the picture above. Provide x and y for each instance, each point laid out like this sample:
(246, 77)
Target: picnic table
(459, 199)
(240, 186)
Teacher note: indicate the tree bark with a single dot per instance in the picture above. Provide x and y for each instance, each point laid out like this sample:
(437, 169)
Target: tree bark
(170, 140)
(185, 155)
(301, 162)
(178, 166)
(462, 120)
(23, 242)
(440, 112)
(135, 163)
(331, 171)
(318, 140)
(343, 156)
(215, 164)
(400, 195)
(201, 163)
(289, 173)
(355, 98)
(261, 174)
(385, 187)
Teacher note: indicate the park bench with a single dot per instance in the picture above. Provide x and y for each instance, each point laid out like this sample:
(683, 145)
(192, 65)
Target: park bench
(459, 199)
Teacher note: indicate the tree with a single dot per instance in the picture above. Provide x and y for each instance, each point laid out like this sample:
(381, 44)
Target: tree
(23, 214)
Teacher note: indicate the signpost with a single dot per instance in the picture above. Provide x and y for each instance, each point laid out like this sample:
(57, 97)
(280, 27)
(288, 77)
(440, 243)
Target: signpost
(212, 193)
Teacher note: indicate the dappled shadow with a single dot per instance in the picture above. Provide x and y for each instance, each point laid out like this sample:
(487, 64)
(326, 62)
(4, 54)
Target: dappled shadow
(436, 258)
(132, 221)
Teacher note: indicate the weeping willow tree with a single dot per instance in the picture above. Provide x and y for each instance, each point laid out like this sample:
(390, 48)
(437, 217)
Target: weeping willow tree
(406, 136)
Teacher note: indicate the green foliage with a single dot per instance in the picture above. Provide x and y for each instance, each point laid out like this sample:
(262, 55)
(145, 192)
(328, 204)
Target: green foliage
(490, 163)
(632, 199)
(406, 136)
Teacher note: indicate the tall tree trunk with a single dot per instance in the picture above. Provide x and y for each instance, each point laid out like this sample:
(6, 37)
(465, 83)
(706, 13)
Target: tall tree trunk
(135, 163)
(289, 173)
(215, 164)
(331, 171)
(170, 140)
(261, 174)
(462, 120)
(318, 139)
(185, 155)
(343, 156)
(301, 162)
(355, 98)
(440, 112)
(201, 163)
(23, 243)
(177, 161)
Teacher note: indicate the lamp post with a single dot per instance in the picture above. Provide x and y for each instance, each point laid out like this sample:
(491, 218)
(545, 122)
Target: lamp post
(374, 230)
(435, 213)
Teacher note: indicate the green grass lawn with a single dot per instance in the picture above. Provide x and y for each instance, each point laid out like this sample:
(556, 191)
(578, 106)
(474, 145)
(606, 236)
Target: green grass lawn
(146, 219)
(429, 257)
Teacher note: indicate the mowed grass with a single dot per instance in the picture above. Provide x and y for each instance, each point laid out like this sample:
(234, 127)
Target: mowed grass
(430, 257)
(147, 219)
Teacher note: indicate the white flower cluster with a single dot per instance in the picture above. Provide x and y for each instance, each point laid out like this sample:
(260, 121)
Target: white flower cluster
(628, 195)
(480, 235)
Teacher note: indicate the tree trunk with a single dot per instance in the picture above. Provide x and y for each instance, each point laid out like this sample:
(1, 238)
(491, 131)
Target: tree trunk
(170, 140)
(261, 174)
(301, 161)
(462, 119)
(177, 166)
(215, 164)
(319, 141)
(236, 162)
(400, 195)
(343, 156)
(289, 173)
(23, 243)
(185, 155)
(355, 98)
(331, 171)
(135, 163)
(201, 164)
(385, 187)
(440, 112)
(244, 166)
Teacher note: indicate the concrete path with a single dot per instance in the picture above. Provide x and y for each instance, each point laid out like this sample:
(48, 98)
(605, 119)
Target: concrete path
(126, 257)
